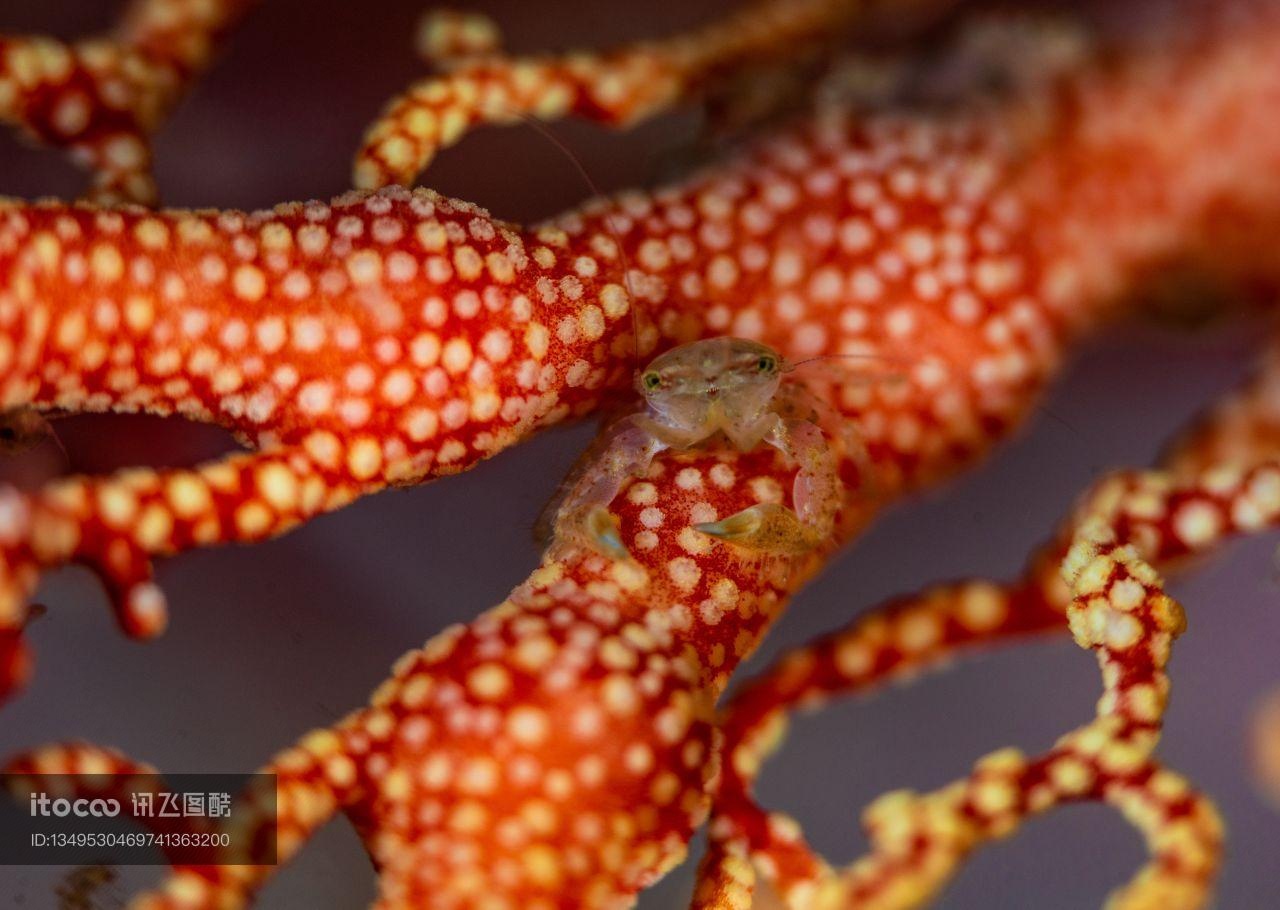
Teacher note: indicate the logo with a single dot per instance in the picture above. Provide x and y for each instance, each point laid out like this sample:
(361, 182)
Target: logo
(44, 807)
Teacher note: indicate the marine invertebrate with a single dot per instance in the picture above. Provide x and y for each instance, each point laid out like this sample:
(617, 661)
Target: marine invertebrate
(965, 246)
(691, 393)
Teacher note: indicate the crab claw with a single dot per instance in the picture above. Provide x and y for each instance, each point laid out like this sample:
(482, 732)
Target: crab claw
(738, 527)
(602, 529)
(766, 526)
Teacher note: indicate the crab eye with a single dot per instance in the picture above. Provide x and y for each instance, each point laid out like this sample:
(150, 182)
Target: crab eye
(651, 381)
(767, 363)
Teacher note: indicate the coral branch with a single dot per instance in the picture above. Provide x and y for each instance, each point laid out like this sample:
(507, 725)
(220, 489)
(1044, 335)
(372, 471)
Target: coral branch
(1188, 508)
(1221, 479)
(115, 525)
(401, 336)
(620, 87)
(102, 98)
(1117, 608)
(1264, 736)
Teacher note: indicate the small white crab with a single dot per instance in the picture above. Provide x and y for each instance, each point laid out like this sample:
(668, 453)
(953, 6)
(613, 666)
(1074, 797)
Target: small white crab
(722, 385)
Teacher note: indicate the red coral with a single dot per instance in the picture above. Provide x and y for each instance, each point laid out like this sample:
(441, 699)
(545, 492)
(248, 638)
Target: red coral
(562, 749)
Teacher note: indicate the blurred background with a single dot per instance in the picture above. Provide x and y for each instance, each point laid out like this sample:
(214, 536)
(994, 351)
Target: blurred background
(270, 641)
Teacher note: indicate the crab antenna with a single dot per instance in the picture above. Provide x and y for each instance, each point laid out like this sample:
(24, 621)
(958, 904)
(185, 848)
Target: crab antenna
(877, 357)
